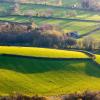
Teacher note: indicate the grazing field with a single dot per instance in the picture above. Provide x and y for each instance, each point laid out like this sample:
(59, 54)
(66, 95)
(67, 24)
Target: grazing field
(60, 12)
(41, 52)
(52, 2)
(98, 59)
(55, 11)
(48, 72)
(96, 35)
(66, 26)
(46, 76)
(4, 7)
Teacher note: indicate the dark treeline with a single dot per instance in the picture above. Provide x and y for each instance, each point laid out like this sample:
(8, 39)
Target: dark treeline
(15, 38)
(36, 38)
(88, 95)
(47, 36)
(44, 36)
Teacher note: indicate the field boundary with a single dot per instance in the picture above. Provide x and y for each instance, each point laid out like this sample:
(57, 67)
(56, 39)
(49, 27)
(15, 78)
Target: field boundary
(52, 59)
(15, 22)
(91, 32)
(45, 58)
(52, 18)
(53, 6)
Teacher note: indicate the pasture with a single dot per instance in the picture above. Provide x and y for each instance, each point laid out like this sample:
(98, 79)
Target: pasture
(42, 71)
(46, 76)
(41, 52)
(65, 25)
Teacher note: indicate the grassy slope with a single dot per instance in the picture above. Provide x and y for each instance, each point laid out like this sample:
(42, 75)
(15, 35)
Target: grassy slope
(46, 77)
(96, 35)
(81, 27)
(60, 12)
(41, 52)
(65, 2)
(98, 59)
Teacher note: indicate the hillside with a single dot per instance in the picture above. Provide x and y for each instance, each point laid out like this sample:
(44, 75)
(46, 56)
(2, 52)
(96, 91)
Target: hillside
(49, 2)
(71, 25)
(82, 27)
(98, 59)
(40, 52)
(46, 76)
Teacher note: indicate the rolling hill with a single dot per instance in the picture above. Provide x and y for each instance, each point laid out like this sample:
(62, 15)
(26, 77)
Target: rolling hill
(42, 71)
(44, 76)
(40, 52)
(57, 12)
(67, 25)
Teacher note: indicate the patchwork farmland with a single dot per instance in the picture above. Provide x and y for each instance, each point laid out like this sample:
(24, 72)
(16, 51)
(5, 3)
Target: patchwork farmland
(45, 59)
(38, 75)
(61, 12)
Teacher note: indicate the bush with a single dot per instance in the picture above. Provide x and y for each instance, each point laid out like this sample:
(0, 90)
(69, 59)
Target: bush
(22, 97)
(87, 95)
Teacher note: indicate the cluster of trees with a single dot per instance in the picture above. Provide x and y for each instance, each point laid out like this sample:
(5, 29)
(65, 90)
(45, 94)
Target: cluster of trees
(44, 36)
(47, 35)
(91, 4)
(18, 96)
(16, 27)
(87, 95)
(88, 43)
(52, 39)
(85, 4)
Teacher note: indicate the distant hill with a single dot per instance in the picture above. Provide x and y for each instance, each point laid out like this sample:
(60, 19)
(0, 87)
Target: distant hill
(51, 2)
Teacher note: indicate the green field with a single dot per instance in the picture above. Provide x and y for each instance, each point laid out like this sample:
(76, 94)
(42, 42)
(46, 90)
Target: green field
(66, 26)
(98, 59)
(64, 2)
(46, 76)
(61, 12)
(56, 11)
(35, 52)
(42, 71)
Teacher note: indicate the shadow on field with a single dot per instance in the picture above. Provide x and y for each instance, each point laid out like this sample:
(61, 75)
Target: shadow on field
(32, 65)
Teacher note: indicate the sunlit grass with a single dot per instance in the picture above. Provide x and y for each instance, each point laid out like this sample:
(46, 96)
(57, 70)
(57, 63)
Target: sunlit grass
(98, 59)
(41, 52)
(47, 77)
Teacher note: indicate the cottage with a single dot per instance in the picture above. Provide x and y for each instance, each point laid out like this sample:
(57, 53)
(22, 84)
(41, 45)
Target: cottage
(73, 34)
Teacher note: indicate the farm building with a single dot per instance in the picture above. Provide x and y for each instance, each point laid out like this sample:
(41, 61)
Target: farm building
(73, 34)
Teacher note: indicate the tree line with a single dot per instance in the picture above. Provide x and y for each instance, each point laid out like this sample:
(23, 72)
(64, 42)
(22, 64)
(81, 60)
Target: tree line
(48, 36)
